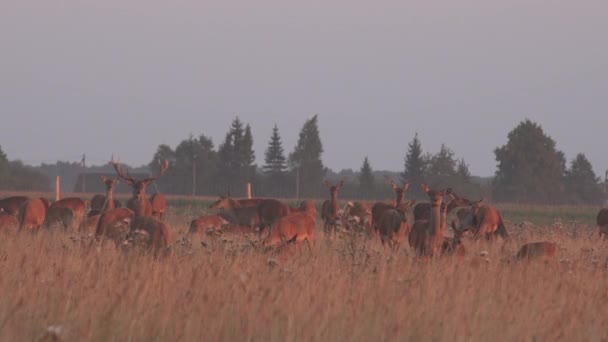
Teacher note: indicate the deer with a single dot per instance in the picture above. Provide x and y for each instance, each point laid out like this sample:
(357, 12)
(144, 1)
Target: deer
(483, 220)
(200, 225)
(329, 209)
(101, 203)
(8, 222)
(139, 203)
(422, 211)
(602, 222)
(534, 250)
(159, 204)
(76, 205)
(394, 227)
(296, 227)
(359, 213)
(150, 233)
(114, 225)
(62, 216)
(426, 236)
(451, 245)
(32, 214)
(245, 216)
(270, 210)
(11, 205)
(380, 207)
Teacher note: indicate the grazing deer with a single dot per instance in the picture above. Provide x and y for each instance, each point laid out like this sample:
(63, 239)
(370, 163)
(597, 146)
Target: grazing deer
(483, 220)
(545, 250)
(101, 203)
(296, 227)
(139, 203)
(32, 214)
(64, 217)
(270, 210)
(329, 209)
(114, 225)
(426, 237)
(200, 225)
(8, 222)
(380, 207)
(245, 216)
(602, 222)
(394, 227)
(150, 233)
(76, 205)
(11, 205)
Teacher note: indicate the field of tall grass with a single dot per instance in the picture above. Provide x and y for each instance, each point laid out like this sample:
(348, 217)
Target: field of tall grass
(56, 285)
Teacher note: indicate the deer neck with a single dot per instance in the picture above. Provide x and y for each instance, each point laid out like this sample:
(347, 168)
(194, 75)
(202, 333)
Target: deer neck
(435, 222)
(398, 199)
(444, 218)
(334, 204)
(109, 205)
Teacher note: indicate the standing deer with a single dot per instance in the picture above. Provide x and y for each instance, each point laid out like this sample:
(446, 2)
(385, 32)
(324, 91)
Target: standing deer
(114, 225)
(76, 205)
(245, 216)
(32, 214)
(483, 220)
(394, 227)
(139, 203)
(380, 207)
(101, 203)
(329, 209)
(602, 222)
(11, 205)
(426, 237)
(296, 227)
(270, 210)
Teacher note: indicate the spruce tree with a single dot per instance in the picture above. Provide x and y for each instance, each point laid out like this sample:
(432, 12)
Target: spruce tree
(306, 159)
(415, 167)
(247, 156)
(462, 171)
(274, 157)
(582, 185)
(366, 180)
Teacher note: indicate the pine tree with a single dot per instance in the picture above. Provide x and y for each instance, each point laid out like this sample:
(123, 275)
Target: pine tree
(275, 161)
(442, 168)
(462, 172)
(530, 168)
(366, 180)
(247, 156)
(306, 159)
(582, 185)
(415, 167)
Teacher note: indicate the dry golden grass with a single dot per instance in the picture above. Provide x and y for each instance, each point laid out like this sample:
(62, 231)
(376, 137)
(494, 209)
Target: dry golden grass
(349, 289)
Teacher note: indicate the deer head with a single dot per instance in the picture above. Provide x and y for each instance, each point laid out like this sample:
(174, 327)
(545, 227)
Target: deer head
(399, 191)
(435, 197)
(110, 183)
(334, 189)
(139, 186)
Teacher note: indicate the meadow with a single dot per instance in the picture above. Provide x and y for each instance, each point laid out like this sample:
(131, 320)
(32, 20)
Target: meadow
(347, 289)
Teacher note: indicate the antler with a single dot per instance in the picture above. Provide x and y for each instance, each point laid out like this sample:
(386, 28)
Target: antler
(128, 177)
(164, 165)
(392, 183)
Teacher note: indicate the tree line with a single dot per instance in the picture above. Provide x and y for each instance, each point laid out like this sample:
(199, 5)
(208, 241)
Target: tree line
(530, 169)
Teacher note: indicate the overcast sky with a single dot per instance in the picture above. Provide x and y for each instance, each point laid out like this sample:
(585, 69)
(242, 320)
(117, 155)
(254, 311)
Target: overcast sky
(121, 77)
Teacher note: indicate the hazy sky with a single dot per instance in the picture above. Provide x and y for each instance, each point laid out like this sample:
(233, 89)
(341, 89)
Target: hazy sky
(120, 77)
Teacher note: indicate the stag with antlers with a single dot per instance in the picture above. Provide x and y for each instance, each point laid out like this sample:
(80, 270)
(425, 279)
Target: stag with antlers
(140, 203)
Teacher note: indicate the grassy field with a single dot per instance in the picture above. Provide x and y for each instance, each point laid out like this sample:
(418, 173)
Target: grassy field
(347, 289)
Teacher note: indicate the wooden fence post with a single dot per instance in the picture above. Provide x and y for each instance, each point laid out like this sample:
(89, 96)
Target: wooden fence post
(249, 190)
(57, 188)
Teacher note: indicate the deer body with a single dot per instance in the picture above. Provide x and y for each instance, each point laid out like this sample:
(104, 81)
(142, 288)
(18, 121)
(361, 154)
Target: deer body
(114, 225)
(76, 205)
(201, 224)
(64, 217)
(153, 233)
(329, 209)
(32, 214)
(8, 222)
(270, 210)
(298, 227)
(158, 204)
(393, 227)
(11, 205)
(380, 208)
(426, 236)
(537, 250)
(246, 216)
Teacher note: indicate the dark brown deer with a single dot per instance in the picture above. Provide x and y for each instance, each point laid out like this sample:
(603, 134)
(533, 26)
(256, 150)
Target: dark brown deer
(8, 222)
(78, 207)
(101, 203)
(114, 225)
(270, 210)
(296, 227)
(451, 245)
(482, 220)
(394, 227)
(535, 250)
(245, 216)
(602, 222)
(59, 216)
(200, 225)
(150, 233)
(329, 209)
(426, 236)
(11, 205)
(380, 207)
(32, 214)
(139, 203)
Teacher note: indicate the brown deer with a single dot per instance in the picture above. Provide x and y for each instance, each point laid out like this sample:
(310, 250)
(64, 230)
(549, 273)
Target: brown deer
(78, 207)
(545, 250)
(380, 207)
(150, 233)
(101, 203)
(270, 210)
(59, 216)
(32, 214)
(426, 236)
(298, 227)
(482, 220)
(159, 204)
(451, 245)
(90, 225)
(8, 222)
(11, 205)
(359, 213)
(200, 225)
(114, 225)
(422, 211)
(245, 216)
(394, 227)
(329, 209)
(139, 203)
(602, 222)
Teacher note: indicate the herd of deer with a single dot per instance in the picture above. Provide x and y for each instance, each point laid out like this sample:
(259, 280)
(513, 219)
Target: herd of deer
(276, 223)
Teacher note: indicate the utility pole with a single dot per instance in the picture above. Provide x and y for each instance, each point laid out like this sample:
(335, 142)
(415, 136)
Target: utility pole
(84, 172)
(193, 157)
